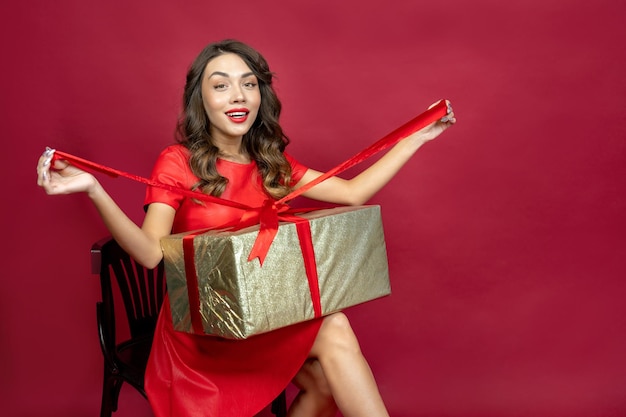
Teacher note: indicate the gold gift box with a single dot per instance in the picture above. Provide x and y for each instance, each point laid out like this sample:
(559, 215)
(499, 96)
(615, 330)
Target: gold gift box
(240, 298)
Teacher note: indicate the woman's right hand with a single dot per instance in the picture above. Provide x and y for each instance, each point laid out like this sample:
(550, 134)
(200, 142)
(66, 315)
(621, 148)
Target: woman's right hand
(61, 177)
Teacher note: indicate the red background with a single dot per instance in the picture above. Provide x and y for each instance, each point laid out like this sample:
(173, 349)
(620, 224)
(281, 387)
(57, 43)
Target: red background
(505, 236)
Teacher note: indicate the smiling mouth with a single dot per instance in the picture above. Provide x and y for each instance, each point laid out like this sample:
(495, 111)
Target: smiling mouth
(237, 114)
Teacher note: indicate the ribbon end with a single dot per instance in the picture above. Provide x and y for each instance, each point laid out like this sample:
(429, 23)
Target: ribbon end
(258, 256)
(253, 257)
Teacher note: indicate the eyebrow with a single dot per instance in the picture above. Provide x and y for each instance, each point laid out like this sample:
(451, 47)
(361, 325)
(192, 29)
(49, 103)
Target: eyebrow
(223, 74)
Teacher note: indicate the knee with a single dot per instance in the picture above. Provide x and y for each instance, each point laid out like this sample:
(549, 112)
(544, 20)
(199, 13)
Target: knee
(338, 321)
(336, 333)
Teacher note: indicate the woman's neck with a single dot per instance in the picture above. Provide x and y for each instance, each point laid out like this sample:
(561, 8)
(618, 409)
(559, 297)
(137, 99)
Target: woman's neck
(232, 150)
(234, 154)
(241, 158)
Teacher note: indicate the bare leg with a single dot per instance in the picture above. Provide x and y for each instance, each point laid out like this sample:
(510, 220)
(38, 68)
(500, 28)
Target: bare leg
(315, 398)
(349, 376)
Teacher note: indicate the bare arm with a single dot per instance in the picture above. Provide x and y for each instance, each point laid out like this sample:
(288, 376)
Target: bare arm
(142, 243)
(362, 187)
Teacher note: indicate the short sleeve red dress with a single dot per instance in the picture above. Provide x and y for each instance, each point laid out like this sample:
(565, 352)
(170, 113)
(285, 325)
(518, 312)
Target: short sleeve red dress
(198, 375)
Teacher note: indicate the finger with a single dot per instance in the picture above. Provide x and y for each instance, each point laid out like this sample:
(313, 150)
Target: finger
(449, 117)
(45, 159)
(60, 165)
(43, 167)
(47, 156)
(43, 175)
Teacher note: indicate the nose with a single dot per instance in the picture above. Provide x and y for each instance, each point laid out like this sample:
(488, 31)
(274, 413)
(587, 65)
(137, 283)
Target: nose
(237, 94)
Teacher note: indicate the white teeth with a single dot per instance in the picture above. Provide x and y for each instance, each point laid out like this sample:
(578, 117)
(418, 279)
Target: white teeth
(236, 114)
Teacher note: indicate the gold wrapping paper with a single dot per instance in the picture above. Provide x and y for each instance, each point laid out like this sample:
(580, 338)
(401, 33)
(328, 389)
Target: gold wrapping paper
(239, 298)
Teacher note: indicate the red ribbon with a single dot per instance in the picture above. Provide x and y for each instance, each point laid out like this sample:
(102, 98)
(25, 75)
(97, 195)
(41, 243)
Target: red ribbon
(268, 214)
(92, 166)
(272, 212)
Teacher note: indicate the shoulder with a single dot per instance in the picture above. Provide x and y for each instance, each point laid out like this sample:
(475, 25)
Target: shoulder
(173, 163)
(172, 169)
(177, 151)
(292, 161)
(173, 157)
(297, 169)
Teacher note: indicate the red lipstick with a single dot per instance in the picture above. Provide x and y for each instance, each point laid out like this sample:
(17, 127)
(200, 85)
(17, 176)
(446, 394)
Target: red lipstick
(238, 115)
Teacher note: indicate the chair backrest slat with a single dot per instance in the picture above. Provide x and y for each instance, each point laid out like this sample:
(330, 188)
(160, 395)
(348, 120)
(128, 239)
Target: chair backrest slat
(142, 289)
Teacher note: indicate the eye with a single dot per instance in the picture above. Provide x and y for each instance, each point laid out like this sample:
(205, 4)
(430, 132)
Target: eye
(220, 86)
(250, 85)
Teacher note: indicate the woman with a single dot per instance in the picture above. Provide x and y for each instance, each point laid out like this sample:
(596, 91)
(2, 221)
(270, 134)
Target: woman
(232, 146)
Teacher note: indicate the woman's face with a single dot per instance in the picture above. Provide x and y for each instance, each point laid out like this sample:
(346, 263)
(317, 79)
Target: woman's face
(231, 97)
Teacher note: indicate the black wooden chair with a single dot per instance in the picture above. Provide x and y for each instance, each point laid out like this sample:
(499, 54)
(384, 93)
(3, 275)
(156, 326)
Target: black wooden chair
(142, 291)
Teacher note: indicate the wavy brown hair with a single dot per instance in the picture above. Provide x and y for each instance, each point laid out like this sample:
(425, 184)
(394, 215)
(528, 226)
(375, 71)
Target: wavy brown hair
(264, 142)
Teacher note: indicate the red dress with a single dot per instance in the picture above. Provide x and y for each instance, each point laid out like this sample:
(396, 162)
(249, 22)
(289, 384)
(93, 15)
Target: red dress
(197, 375)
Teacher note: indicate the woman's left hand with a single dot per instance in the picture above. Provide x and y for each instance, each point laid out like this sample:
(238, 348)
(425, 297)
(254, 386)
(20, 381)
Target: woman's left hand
(435, 129)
